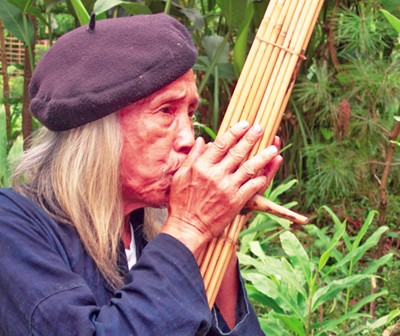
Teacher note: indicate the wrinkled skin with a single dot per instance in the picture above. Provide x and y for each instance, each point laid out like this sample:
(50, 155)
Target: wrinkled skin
(204, 186)
(157, 136)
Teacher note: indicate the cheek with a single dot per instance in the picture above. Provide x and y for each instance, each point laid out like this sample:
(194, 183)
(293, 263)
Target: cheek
(142, 162)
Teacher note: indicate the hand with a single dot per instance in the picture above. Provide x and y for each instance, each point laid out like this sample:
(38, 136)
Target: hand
(214, 183)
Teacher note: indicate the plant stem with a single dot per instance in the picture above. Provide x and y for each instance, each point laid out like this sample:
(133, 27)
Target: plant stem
(28, 41)
(309, 303)
(50, 29)
(383, 185)
(6, 86)
(213, 63)
(216, 101)
(346, 307)
(167, 6)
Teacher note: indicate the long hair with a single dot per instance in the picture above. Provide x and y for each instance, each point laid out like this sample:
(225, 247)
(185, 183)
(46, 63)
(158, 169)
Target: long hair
(74, 176)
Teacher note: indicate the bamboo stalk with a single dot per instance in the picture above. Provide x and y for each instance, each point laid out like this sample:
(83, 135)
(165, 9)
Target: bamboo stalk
(223, 260)
(261, 96)
(242, 87)
(267, 65)
(288, 63)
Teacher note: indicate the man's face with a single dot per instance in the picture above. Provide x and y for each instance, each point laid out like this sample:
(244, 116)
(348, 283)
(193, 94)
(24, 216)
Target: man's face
(157, 136)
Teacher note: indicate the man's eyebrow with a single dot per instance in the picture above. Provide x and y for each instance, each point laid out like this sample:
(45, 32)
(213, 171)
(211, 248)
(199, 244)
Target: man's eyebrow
(175, 98)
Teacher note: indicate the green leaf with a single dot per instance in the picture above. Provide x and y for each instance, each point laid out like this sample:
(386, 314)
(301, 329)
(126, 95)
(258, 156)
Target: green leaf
(233, 11)
(281, 188)
(240, 48)
(272, 327)
(14, 153)
(335, 240)
(325, 240)
(364, 228)
(38, 14)
(3, 144)
(262, 299)
(102, 6)
(23, 5)
(285, 223)
(356, 254)
(195, 17)
(272, 290)
(361, 303)
(392, 315)
(394, 21)
(330, 291)
(81, 12)
(375, 264)
(205, 129)
(211, 44)
(292, 323)
(13, 21)
(298, 256)
(337, 223)
(330, 324)
(261, 223)
(246, 260)
(273, 268)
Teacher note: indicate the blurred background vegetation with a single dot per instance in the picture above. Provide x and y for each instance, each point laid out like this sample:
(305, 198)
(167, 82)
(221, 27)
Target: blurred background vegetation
(340, 147)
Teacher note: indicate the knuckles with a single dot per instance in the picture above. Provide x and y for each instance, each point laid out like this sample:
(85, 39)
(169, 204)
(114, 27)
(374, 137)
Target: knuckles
(249, 170)
(238, 153)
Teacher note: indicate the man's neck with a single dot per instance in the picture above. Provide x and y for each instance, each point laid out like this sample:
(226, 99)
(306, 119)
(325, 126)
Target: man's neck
(127, 233)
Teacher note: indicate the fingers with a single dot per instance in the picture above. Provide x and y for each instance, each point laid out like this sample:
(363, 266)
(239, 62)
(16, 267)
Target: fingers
(238, 153)
(218, 149)
(277, 142)
(256, 164)
(272, 168)
(196, 151)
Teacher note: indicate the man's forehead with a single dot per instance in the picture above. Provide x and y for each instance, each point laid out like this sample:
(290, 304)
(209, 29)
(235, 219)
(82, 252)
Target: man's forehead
(181, 89)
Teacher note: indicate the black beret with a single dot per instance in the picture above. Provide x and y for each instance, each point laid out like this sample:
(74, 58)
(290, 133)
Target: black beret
(88, 74)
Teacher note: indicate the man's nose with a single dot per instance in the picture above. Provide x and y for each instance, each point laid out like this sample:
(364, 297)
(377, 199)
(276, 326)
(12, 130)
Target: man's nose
(185, 138)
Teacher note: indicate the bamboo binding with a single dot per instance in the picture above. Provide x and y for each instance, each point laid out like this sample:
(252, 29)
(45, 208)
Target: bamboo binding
(260, 97)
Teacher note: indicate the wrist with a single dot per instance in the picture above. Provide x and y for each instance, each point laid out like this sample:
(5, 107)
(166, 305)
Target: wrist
(186, 233)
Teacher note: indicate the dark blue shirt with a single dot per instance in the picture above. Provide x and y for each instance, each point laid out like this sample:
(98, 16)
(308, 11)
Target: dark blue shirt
(50, 286)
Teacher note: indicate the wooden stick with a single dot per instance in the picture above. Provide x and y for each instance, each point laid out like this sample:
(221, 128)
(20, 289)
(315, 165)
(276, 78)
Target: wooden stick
(260, 203)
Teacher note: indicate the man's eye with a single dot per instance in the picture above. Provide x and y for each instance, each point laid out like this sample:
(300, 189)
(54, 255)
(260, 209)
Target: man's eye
(166, 109)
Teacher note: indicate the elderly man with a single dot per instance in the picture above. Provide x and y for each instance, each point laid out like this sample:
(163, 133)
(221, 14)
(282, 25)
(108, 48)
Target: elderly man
(78, 254)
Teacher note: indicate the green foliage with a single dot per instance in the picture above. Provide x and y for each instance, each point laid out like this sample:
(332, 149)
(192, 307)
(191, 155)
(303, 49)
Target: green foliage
(311, 295)
(345, 101)
(7, 155)
(394, 21)
(13, 20)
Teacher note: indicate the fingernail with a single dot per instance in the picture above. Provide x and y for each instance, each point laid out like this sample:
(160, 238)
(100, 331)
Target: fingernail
(243, 124)
(257, 129)
(272, 150)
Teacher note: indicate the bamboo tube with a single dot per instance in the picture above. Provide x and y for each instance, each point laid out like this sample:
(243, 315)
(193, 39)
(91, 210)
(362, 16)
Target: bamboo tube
(287, 63)
(261, 97)
(242, 87)
(265, 69)
(224, 258)
(290, 88)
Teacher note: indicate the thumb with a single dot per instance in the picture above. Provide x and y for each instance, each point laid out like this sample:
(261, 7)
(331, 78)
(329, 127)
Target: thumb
(197, 150)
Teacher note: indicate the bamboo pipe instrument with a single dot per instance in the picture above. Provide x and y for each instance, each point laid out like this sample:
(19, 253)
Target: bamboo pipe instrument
(261, 96)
